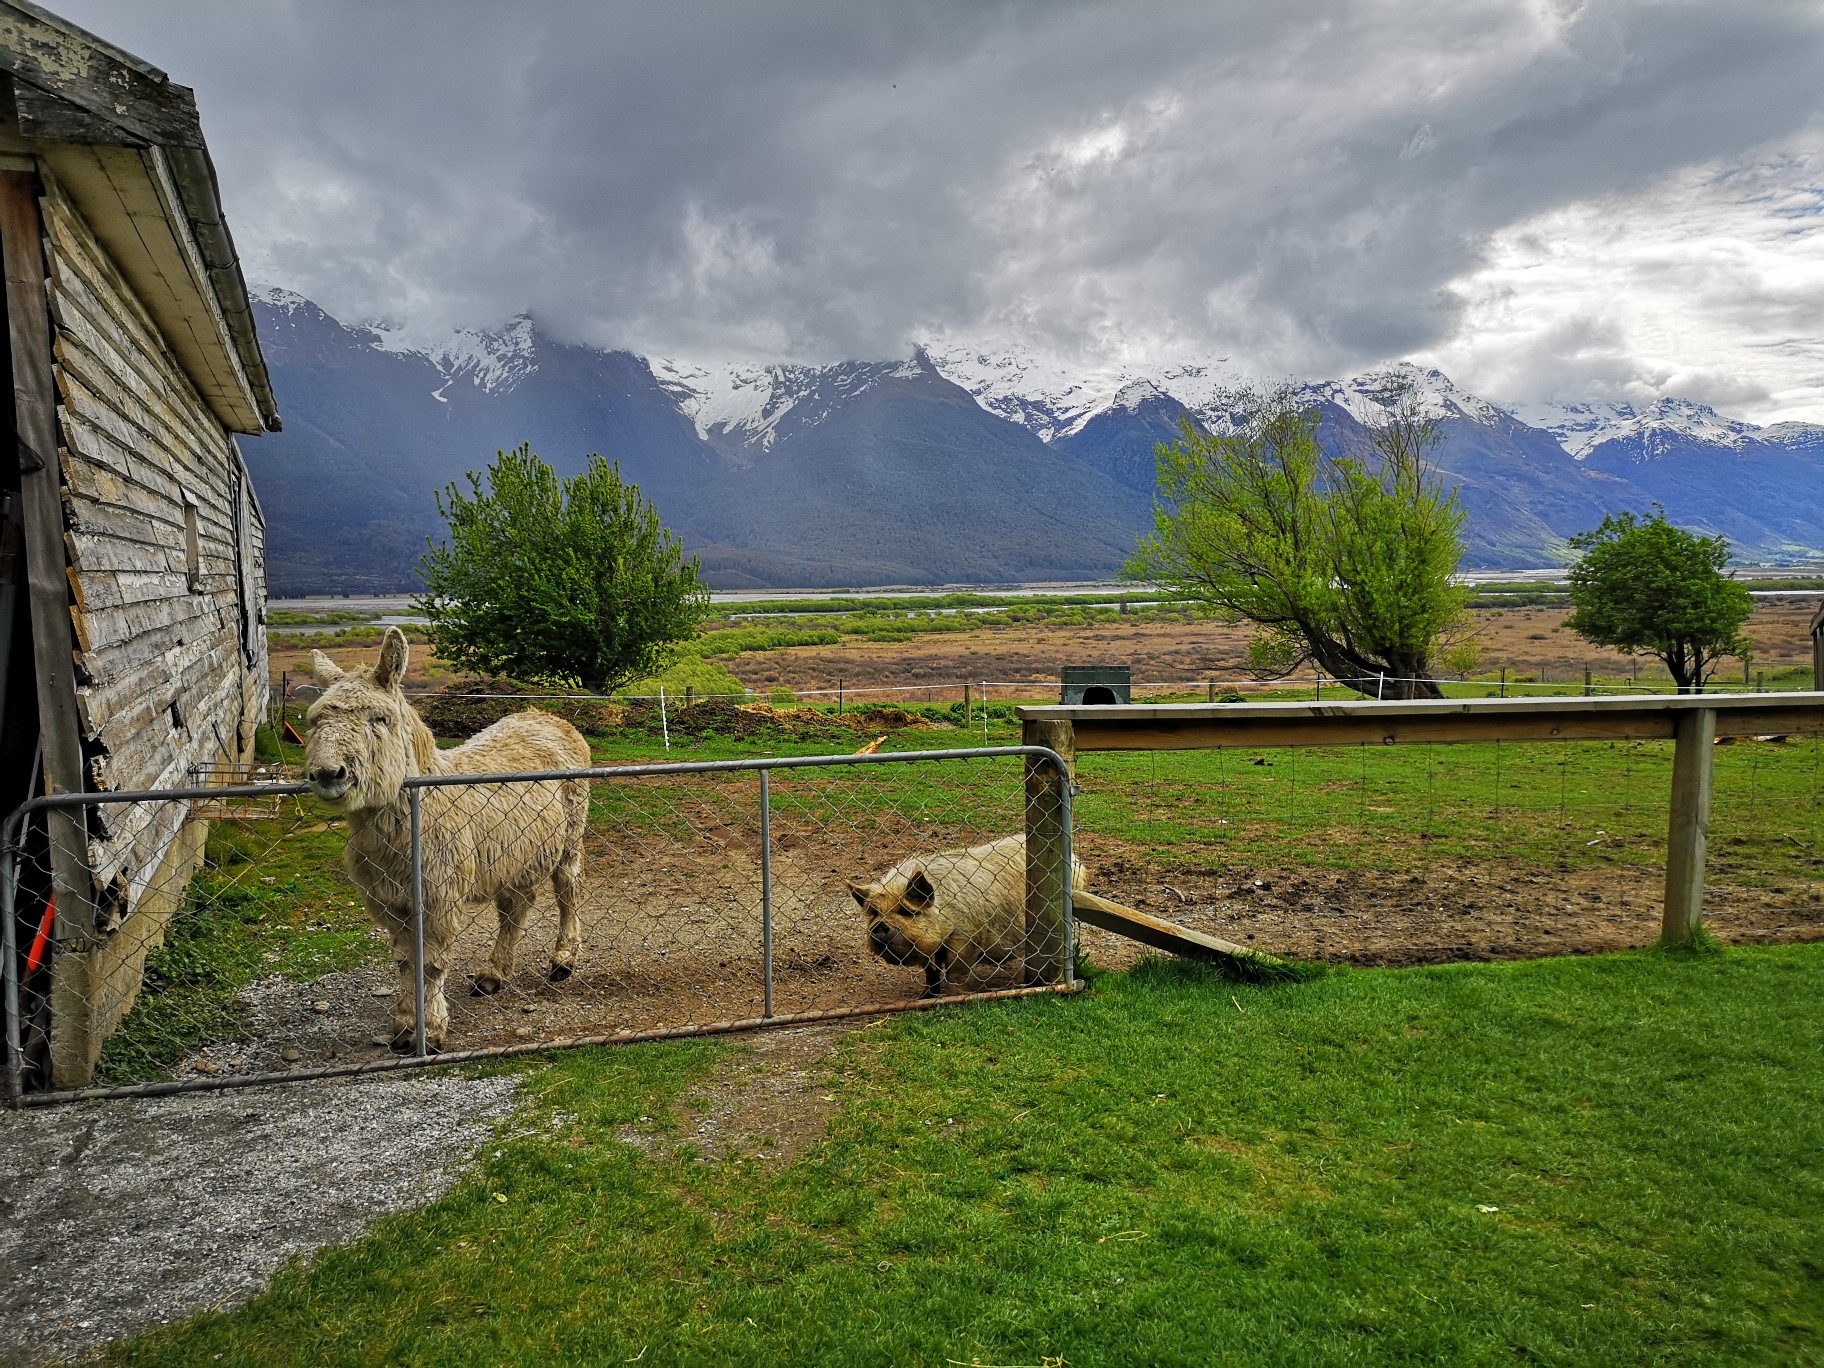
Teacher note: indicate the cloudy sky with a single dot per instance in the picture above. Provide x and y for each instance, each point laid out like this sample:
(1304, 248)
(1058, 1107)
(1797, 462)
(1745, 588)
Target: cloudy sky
(1601, 200)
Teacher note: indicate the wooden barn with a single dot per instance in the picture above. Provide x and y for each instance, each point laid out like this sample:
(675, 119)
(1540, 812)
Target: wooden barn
(132, 575)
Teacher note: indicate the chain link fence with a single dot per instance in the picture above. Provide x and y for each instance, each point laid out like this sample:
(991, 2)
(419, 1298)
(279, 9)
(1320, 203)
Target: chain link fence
(229, 940)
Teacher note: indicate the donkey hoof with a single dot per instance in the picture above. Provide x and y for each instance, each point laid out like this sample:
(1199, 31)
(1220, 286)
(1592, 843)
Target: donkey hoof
(485, 985)
(559, 972)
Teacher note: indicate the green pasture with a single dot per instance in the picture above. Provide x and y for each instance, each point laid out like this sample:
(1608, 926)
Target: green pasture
(1610, 1160)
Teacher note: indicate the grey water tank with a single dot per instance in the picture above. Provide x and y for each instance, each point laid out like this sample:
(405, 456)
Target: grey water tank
(1096, 684)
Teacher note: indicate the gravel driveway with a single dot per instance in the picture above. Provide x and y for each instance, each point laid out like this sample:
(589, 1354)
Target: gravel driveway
(121, 1215)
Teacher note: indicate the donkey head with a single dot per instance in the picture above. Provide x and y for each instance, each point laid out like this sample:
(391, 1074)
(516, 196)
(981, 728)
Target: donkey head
(363, 734)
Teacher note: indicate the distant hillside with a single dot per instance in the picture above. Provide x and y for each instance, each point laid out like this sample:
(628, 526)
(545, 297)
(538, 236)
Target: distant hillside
(953, 468)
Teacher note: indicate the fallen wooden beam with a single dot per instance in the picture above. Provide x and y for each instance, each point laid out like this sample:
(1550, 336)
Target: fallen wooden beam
(1157, 932)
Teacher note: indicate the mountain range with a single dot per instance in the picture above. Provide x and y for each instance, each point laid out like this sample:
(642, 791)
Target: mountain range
(950, 466)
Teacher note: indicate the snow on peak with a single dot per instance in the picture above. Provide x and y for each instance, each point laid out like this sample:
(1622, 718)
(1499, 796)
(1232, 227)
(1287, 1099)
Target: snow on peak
(278, 297)
(747, 403)
(1580, 428)
(1052, 399)
(492, 359)
(1371, 396)
(1135, 393)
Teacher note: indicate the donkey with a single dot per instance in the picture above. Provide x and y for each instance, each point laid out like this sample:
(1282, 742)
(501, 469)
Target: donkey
(479, 841)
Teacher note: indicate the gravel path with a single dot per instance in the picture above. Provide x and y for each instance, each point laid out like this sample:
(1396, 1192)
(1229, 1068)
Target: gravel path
(122, 1215)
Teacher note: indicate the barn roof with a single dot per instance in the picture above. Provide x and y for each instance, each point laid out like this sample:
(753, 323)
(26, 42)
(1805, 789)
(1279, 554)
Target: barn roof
(125, 143)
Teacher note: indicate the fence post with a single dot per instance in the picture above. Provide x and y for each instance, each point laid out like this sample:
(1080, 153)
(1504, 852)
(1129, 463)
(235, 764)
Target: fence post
(839, 695)
(1048, 852)
(690, 695)
(413, 796)
(1689, 827)
(1504, 681)
(766, 891)
(1586, 682)
(11, 844)
(1760, 681)
(968, 704)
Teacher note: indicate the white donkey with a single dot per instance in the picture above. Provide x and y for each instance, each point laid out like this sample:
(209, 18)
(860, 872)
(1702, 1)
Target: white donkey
(480, 841)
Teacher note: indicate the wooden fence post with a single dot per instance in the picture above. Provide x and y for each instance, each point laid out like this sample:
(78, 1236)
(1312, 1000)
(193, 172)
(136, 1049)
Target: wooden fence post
(1689, 828)
(1047, 862)
(1586, 681)
(968, 704)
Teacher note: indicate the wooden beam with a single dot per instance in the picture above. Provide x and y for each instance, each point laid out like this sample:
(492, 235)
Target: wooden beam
(48, 587)
(112, 87)
(1047, 856)
(1156, 931)
(1187, 726)
(1689, 829)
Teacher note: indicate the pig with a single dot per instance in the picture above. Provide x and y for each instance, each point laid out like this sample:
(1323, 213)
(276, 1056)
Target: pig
(955, 911)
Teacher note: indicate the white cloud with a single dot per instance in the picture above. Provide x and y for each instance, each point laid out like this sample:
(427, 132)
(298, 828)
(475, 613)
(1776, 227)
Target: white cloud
(1309, 187)
(1709, 285)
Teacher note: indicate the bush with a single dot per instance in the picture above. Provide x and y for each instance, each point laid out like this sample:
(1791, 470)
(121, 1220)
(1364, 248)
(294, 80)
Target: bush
(708, 679)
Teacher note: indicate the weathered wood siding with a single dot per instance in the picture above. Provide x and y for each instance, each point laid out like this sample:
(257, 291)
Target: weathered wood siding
(167, 563)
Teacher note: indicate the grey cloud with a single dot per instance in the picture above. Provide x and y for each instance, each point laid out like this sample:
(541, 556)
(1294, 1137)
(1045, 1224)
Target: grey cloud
(1292, 183)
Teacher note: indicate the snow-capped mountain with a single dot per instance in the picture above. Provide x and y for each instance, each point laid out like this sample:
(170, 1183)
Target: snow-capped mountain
(744, 406)
(1051, 399)
(1581, 428)
(950, 465)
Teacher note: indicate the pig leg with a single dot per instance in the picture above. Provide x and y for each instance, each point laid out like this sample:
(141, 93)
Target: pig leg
(934, 971)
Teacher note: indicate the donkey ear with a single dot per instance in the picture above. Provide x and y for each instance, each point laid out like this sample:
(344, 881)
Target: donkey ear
(919, 893)
(393, 655)
(324, 670)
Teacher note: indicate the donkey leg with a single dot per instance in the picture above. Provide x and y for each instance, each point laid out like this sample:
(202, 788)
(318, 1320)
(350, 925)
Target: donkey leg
(565, 880)
(514, 904)
(438, 938)
(405, 995)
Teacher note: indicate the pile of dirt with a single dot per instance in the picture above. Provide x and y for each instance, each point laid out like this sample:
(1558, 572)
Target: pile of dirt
(465, 708)
(456, 713)
(727, 717)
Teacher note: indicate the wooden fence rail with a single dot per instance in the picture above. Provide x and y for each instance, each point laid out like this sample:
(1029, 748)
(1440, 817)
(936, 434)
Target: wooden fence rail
(1694, 722)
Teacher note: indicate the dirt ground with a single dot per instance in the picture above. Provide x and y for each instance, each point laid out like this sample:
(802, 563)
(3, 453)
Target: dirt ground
(934, 667)
(1524, 639)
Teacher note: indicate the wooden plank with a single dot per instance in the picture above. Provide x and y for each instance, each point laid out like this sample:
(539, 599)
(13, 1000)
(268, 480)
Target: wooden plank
(1047, 856)
(139, 100)
(1689, 825)
(1242, 725)
(103, 308)
(34, 408)
(1257, 733)
(1156, 931)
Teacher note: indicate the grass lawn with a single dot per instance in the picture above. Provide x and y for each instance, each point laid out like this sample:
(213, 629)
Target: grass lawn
(1605, 1160)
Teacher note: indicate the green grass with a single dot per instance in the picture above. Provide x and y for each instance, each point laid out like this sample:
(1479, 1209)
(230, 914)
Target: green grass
(269, 899)
(1607, 1160)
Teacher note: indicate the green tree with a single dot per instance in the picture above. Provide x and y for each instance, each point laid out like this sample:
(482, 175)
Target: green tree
(1647, 587)
(1347, 560)
(560, 581)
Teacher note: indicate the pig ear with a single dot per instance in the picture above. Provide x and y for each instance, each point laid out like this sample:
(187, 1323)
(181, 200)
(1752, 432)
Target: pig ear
(393, 656)
(859, 892)
(324, 670)
(919, 893)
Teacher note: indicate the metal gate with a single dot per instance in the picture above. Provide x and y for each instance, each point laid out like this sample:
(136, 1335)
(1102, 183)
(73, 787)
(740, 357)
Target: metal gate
(223, 943)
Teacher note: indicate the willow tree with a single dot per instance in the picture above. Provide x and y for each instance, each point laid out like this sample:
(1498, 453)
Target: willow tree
(1342, 559)
(562, 581)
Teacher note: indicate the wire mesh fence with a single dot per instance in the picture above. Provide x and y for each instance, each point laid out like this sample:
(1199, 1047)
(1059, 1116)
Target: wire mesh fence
(1378, 855)
(282, 937)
